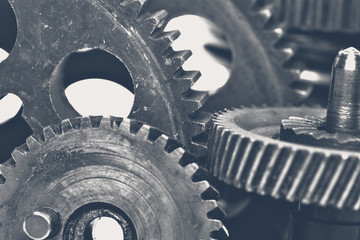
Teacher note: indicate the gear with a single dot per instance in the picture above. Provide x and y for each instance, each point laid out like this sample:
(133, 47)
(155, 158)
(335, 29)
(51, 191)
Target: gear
(50, 30)
(92, 167)
(257, 72)
(244, 151)
(320, 15)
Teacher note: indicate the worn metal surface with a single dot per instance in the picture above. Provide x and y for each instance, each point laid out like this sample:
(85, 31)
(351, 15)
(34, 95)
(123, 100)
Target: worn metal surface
(47, 31)
(257, 70)
(92, 167)
(244, 150)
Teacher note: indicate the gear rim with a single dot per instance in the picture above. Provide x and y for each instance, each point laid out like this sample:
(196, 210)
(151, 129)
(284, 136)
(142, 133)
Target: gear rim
(25, 159)
(163, 97)
(280, 169)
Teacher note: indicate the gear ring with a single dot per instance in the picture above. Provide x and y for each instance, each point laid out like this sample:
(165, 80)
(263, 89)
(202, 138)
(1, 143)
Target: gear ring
(244, 151)
(48, 31)
(245, 23)
(121, 163)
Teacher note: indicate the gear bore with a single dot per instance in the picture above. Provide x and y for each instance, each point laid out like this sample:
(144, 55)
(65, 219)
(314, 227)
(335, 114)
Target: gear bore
(59, 182)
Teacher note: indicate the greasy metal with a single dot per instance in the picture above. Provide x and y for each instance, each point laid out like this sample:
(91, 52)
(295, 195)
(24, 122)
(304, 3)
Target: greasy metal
(43, 223)
(257, 70)
(340, 129)
(48, 31)
(343, 113)
(86, 168)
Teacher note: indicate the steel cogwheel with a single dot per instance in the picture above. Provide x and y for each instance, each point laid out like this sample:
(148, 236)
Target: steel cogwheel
(320, 15)
(258, 74)
(113, 161)
(50, 30)
(244, 151)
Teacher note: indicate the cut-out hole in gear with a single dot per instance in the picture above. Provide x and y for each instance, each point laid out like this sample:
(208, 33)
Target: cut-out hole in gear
(211, 51)
(8, 29)
(106, 228)
(13, 128)
(91, 82)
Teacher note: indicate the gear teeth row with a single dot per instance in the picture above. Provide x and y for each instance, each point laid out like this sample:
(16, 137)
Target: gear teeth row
(266, 10)
(11, 169)
(284, 170)
(324, 15)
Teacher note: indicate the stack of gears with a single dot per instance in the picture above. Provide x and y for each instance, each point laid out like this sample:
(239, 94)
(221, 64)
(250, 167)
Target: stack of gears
(153, 173)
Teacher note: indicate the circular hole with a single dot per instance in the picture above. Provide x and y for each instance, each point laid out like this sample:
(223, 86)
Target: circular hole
(91, 82)
(211, 51)
(106, 228)
(13, 128)
(8, 29)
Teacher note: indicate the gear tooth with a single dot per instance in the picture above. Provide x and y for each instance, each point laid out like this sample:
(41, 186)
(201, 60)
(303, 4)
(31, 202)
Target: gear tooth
(195, 99)
(144, 131)
(66, 126)
(85, 123)
(176, 58)
(135, 7)
(185, 79)
(153, 21)
(113, 122)
(161, 141)
(48, 133)
(165, 39)
(125, 125)
(17, 153)
(32, 143)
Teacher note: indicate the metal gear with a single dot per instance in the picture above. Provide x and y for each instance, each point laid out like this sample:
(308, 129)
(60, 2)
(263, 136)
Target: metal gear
(257, 70)
(320, 15)
(244, 151)
(50, 30)
(58, 183)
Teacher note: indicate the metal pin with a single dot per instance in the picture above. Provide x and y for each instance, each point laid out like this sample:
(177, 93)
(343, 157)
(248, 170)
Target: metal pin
(343, 111)
(42, 224)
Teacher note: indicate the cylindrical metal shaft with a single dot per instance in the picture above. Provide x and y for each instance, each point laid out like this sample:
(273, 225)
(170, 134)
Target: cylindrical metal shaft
(343, 112)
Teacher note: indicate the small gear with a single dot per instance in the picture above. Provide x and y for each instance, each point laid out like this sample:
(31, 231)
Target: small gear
(50, 30)
(257, 73)
(320, 15)
(87, 168)
(245, 149)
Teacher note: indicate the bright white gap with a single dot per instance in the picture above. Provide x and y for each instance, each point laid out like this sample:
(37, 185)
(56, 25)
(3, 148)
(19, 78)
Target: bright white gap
(100, 97)
(196, 32)
(106, 228)
(10, 105)
(3, 54)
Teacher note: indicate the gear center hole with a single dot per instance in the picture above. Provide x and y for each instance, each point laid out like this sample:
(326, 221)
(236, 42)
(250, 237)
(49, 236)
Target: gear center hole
(212, 54)
(105, 228)
(91, 82)
(8, 29)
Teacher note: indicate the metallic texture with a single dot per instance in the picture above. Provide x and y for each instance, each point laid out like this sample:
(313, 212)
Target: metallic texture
(257, 70)
(87, 168)
(343, 114)
(244, 151)
(341, 127)
(50, 30)
(320, 15)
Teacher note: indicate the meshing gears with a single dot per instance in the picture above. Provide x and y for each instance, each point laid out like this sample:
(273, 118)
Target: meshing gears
(50, 30)
(245, 149)
(257, 67)
(59, 183)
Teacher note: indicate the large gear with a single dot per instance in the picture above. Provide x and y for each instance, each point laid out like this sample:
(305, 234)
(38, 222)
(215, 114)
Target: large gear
(244, 151)
(93, 167)
(258, 74)
(50, 30)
